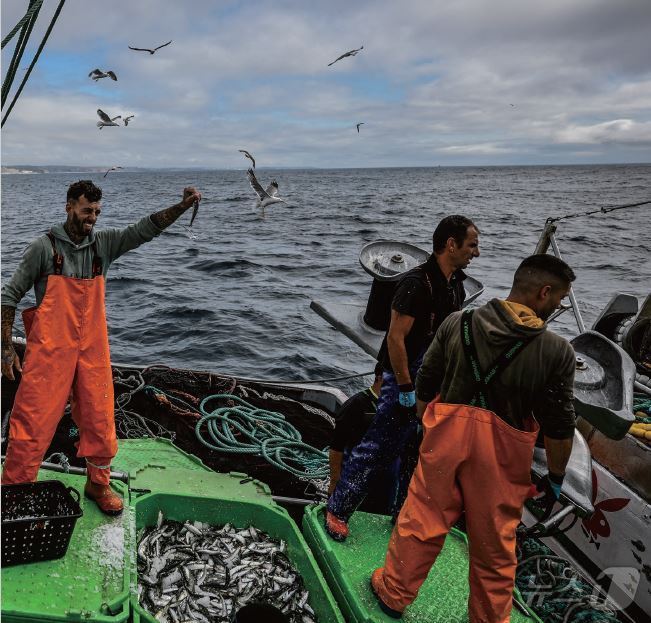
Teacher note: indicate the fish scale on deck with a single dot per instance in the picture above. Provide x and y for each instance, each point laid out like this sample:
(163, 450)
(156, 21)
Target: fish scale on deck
(194, 571)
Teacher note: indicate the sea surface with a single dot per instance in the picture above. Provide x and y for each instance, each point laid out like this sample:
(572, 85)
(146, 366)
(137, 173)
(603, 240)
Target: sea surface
(233, 295)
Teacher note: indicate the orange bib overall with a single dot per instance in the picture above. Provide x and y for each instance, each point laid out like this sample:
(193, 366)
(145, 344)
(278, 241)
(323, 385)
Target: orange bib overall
(67, 348)
(472, 460)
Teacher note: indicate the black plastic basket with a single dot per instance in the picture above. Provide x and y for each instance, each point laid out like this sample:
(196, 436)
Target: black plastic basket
(37, 521)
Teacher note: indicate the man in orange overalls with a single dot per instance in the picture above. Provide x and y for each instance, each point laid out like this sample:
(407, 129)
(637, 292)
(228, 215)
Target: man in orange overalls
(67, 344)
(497, 377)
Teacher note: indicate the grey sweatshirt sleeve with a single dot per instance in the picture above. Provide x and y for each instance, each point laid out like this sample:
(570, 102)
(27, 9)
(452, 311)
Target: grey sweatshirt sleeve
(116, 242)
(432, 371)
(555, 411)
(27, 273)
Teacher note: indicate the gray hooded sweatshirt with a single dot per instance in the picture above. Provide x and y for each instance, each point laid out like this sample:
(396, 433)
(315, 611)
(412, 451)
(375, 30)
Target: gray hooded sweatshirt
(538, 381)
(37, 263)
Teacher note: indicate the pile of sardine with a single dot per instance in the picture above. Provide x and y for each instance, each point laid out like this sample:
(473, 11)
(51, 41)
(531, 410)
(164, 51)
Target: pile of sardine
(196, 572)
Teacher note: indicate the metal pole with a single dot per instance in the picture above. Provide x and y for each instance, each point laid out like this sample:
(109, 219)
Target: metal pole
(573, 301)
(292, 501)
(543, 242)
(79, 471)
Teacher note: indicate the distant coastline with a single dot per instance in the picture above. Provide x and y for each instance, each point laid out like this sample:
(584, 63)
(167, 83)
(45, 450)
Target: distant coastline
(29, 169)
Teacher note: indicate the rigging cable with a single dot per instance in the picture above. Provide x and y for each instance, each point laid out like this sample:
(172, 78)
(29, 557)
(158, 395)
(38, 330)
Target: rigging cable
(599, 211)
(33, 63)
(30, 12)
(28, 25)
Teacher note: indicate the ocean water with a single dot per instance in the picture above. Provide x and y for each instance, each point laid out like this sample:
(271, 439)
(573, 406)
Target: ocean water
(233, 296)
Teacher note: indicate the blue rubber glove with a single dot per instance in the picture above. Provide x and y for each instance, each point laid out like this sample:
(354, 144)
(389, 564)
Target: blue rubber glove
(407, 400)
(550, 486)
(551, 483)
(407, 395)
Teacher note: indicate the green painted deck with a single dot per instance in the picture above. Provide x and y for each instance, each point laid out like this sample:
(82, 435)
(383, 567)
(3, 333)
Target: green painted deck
(90, 583)
(348, 566)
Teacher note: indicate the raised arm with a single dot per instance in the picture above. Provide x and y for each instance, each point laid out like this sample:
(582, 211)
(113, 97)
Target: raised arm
(166, 217)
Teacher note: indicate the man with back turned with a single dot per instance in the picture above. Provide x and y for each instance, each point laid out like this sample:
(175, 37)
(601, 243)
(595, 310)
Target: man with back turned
(424, 297)
(67, 338)
(492, 378)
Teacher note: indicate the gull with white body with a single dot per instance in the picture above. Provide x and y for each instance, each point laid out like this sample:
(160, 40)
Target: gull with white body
(265, 197)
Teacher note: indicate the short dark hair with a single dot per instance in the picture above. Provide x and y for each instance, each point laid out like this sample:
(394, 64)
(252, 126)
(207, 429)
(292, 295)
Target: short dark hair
(536, 269)
(454, 226)
(84, 187)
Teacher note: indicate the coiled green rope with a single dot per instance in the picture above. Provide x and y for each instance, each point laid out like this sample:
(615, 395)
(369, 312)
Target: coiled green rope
(557, 593)
(245, 429)
(642, 403)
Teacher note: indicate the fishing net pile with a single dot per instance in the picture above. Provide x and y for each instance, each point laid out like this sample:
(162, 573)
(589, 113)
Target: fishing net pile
(555, 590)
(230, 425)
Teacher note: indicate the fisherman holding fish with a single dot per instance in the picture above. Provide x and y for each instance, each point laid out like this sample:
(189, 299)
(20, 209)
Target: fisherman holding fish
(424, 297)
(492, 379)
(67, 338)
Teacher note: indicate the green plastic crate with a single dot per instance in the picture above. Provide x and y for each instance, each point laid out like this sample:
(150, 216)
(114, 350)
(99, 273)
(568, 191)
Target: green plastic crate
(153, 453)
(348, 566)
(241, 513)
(90, 583)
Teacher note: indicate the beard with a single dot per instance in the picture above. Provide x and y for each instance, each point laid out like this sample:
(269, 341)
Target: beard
(76, 226)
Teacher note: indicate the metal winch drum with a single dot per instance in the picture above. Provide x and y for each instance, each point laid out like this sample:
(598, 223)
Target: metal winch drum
(386, 261)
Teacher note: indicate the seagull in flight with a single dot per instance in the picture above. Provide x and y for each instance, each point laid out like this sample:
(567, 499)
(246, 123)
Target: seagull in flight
(362, 123)
(149, 49)
(105, 119)
(111, 169)
(96, 74)
(127, 119)
(265, 197)
(349, 53)
(248, 155)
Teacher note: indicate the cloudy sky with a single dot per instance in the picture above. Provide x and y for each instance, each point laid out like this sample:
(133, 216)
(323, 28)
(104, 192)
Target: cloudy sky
(439, 82)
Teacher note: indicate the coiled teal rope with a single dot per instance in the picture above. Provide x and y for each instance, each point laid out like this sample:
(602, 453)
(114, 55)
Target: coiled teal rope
(245, 429)
(556, 591)
(642, 403)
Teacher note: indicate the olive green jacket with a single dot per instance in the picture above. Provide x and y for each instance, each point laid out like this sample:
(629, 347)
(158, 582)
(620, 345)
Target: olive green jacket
(538, 381)
(37, 264)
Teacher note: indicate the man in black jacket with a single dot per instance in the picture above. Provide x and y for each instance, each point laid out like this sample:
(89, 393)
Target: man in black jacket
(424, 297)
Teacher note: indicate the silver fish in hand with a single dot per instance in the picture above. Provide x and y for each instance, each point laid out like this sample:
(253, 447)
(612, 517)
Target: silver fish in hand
(195, 210)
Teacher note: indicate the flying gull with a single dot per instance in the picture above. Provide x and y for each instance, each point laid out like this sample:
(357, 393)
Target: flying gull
(248, 155)
(127, 119)
(105, 119)
(111, 169)
(349, 53)
(265, 197)
(362, 123)
(149, 49)
(96, 74)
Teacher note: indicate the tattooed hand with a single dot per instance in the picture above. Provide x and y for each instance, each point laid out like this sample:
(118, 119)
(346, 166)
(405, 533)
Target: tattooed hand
(10, 359)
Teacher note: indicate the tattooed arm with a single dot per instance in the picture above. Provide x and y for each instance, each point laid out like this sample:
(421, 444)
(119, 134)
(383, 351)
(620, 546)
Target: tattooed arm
(10, 359)
(166, 217)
